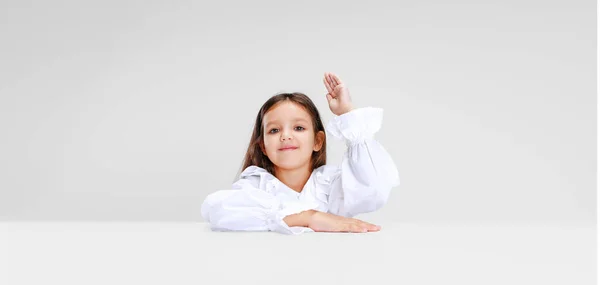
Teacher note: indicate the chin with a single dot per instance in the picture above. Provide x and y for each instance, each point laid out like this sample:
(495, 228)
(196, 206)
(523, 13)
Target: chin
(287, 164)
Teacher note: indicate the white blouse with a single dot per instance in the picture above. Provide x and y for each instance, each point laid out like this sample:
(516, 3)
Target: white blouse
(258, 201)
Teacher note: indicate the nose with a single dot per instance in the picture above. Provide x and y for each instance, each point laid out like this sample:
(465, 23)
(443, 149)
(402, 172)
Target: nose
(285, 135)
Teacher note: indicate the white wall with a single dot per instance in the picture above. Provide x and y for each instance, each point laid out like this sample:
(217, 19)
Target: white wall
(136, 110)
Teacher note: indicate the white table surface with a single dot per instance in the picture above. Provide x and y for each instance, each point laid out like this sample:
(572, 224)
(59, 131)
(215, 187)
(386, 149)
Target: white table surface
(190, 253)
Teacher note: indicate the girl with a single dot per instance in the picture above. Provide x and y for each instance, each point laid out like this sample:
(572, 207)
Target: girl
(287, 187)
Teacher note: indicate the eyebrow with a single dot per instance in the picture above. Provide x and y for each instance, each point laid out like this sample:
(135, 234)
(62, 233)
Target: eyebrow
(295, 120)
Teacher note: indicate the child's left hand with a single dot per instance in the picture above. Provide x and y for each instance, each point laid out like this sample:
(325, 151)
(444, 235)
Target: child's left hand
(338, 95)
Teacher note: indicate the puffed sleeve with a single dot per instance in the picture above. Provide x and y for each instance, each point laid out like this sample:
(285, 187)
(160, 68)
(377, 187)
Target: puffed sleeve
(250, 209)
(367, 173)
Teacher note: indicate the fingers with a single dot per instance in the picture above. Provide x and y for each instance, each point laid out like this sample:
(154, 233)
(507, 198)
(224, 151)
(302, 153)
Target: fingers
(328, 84)
(358, 226)
(330, 79)
(368, 226)
(371, 227)
(335, 79)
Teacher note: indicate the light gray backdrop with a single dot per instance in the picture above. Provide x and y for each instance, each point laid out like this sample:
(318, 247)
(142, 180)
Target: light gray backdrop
(136, 110)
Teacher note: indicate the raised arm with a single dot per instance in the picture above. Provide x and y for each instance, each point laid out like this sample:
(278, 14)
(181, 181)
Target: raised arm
(367, 172)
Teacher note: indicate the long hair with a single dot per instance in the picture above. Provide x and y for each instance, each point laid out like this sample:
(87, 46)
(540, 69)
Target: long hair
(254, 154)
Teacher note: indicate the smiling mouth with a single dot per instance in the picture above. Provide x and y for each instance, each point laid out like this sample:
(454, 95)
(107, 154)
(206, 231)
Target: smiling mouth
(288, 148)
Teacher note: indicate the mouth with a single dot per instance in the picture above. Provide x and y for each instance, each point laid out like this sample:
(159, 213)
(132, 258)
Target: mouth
(288, 148)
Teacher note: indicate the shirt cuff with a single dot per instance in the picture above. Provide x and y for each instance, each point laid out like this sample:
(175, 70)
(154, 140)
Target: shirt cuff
(276, 223)
(357, 125)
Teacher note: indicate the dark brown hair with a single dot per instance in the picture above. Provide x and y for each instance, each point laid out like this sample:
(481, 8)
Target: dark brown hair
(254, 154)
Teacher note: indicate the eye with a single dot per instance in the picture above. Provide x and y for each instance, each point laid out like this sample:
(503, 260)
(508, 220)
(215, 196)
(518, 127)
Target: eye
(301, 128)
(271, 131)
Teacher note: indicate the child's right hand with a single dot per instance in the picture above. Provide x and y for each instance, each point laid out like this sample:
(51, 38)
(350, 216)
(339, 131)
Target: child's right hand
(327, 222)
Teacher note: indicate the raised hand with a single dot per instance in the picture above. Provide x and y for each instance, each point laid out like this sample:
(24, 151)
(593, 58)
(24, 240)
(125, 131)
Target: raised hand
(338, 95)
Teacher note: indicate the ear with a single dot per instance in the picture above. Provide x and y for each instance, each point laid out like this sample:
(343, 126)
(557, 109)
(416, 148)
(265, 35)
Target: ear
(319, 139)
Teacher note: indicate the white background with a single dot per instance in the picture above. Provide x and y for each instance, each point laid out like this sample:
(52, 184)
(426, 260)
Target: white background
(136, 110)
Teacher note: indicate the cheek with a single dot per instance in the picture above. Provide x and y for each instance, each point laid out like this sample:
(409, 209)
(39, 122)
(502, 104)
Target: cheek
(308, 139)
(270, 143)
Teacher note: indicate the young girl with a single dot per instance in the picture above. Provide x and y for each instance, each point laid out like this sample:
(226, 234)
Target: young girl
(286, 185)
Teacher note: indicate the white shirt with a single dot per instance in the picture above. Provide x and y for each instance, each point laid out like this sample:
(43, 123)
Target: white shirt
(258, 201)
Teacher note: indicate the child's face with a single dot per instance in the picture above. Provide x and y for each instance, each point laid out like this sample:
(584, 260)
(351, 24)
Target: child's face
(289, 125)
